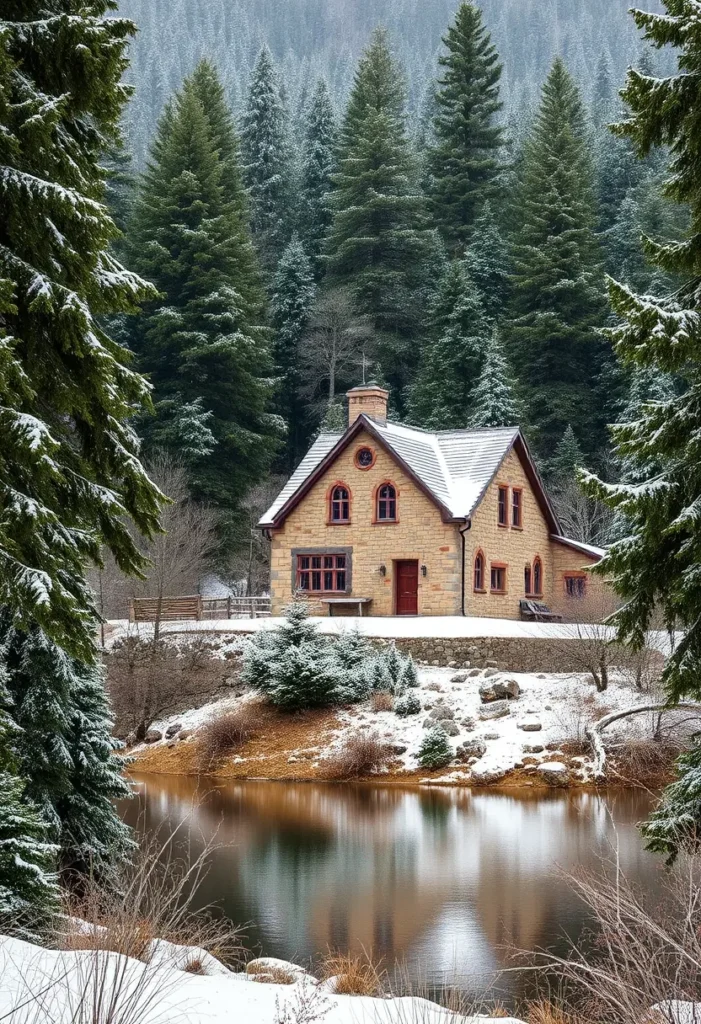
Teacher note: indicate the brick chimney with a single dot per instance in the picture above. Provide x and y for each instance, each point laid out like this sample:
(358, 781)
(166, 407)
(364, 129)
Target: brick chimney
(370, 399)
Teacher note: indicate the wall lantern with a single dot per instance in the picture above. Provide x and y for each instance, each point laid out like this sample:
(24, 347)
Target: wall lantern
(383, 570)
(424, 570)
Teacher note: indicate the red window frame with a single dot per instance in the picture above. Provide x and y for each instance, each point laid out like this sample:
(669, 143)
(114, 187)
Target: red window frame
(576, 585)
(528, 580)
(503, 506)
(478, 573)
(517, 508)
(497, 567)
(339, 504)
(322, 573)
(537, 576)
(386, 503)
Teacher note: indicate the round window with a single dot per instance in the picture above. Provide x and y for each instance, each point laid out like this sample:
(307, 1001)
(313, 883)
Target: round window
(365, 457)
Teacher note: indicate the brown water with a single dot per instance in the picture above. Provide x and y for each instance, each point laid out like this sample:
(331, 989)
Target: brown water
(441, 879)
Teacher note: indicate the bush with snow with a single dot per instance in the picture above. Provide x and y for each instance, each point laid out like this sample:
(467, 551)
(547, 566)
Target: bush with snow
(408, 704)
(435, 750)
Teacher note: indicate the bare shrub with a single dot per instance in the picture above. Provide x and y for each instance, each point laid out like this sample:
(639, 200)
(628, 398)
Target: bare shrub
(224, 734)
(149, 679)
(271, 974)
(360, 753)
(545, 1012)
(308, 1006)
(645, 950)
(644, 763)
(382, 701)
(358, 975)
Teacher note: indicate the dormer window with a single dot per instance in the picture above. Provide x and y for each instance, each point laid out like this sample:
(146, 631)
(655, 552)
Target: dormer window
(339, 511)
(386, 503)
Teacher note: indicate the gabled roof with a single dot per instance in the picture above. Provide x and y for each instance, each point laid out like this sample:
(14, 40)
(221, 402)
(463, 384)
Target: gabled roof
(452, 467)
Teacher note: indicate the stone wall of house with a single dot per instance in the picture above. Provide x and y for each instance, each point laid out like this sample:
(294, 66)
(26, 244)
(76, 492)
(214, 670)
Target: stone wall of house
(598, 600)
(419, 534)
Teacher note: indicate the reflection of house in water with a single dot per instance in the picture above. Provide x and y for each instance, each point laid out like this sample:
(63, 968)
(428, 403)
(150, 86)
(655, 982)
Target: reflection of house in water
(443, 877)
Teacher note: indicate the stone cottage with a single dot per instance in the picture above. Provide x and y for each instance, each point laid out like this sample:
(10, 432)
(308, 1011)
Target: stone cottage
(386, 519)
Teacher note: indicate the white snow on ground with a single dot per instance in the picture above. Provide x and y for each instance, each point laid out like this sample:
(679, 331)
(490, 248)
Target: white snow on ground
(399, 627)
(562, 704)
(49, 987)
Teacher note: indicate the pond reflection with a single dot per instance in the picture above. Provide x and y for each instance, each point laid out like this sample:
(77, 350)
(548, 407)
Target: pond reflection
(443, 879)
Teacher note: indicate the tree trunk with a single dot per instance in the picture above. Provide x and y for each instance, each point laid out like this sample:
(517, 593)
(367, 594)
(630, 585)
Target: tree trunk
(594, 731)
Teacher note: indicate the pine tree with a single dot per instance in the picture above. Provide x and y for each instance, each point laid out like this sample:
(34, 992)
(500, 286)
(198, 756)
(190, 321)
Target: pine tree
(464, 161)
(267, 161)
(493, 401)
(435, 750)
(28, 891)
(378, 243)
(202, 343)
(558, 303)
(442, 391)
(318, 161)
(64, 747)
(69, 472)
(603, 100)
(290, 309)
(568, 457)
(488, 264)
(655, 568)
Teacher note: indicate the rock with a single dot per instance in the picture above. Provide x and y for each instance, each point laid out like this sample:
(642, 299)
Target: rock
(492, 664)
(548, 707)
(451, 728)
(130, 739)
(428, 723)
(499, 689)
(474, 672)
(533, 748)
(466, 664)
(399, 748)
(491, 671)
(440, 712)
(459, 677)
(468, 723)
(170, 745)
(491, 736)
(529, 726)
(173, 730)
(554, 773)
(473, 748)
(452, 664)
(499, 709)
(184, 734)
(483, 776)
(541, 675)
(153, 736)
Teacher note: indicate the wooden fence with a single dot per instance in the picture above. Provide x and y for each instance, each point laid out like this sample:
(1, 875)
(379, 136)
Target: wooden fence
(195, 607)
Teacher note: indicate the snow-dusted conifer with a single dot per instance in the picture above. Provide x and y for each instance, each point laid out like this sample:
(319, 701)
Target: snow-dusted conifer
(69, 472)
(408, 703)
(318, 160)
(290, 310)
(488, 263)
(267, 161)
(435, 750)
(568, 457)
(493, 401)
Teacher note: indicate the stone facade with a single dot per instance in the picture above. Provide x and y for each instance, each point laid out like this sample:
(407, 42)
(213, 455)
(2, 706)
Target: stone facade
(372, 549)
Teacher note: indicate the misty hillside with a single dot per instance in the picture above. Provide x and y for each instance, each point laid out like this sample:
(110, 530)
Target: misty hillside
(312, 37)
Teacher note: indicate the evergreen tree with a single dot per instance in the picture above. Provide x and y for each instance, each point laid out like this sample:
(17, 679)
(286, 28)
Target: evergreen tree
(378, 243)
(442, 392)
(267, 161)
(318, 161)
(655, 568)
(568, 457)
(493, 401)
(64, 747)
(202, 343)
(488, 264)
(464, 161)
(435, 750)
(558, 302)
(28, 892)
(290, 310)
(603, 100)
(69, 472)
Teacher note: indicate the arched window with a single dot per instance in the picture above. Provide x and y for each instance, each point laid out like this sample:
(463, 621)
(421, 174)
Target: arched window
(528, 579)
(340, 504)
(479, 572)
(537, 576)
(387, 503)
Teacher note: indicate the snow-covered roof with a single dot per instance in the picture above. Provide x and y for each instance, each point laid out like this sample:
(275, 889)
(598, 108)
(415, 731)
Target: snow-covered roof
(453, 466)
(578, 545)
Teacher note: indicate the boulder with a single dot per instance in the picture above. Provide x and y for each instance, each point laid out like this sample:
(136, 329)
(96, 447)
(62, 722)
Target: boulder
(554, 773)
(450, 728)
(489, 672)
(474, 672)
(441, 713)
(484, 776)
(530, 725)
(499, 689)
(467, 723)
(173, 730)
(490, 712)
(472, 748)
(533, 748)
(399, 748)
(459, 677)
(491, 736)
(153, 736)
(492, 664)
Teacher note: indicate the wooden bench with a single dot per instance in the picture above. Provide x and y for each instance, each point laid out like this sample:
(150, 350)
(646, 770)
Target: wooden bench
(167, 609)
(358, 602)
(536, 611)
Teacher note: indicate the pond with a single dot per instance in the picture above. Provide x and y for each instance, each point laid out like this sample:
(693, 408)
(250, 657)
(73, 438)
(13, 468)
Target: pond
(440, 879)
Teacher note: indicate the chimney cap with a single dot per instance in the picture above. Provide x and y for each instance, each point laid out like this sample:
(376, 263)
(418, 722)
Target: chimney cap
(370, 386)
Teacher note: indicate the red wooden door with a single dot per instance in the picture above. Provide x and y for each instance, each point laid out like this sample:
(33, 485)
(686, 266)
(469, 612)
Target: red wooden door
(407, 588)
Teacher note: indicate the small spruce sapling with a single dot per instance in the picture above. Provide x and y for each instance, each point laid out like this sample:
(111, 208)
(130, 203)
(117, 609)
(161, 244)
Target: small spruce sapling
(409, 677)
(435, 750)
(350, 655)
(408, 704)
(380, 679)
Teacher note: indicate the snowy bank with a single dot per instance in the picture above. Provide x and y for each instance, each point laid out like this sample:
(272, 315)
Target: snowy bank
(56, 987)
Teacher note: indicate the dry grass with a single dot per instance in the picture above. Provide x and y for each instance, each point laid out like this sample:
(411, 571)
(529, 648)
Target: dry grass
(359, 754)
(355, 975)
(644, 763)
(223, 735)
(270, 974)
(545, 1012)
(381, 701)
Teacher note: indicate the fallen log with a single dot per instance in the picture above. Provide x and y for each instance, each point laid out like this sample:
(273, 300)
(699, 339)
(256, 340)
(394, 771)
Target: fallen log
(594, 731)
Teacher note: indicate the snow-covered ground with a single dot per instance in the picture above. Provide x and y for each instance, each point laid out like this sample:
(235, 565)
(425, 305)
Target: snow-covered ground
(551, 709)
(44, 986)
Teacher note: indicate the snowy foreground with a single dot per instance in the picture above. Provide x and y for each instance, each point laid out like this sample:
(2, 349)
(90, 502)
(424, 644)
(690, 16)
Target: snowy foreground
(50, 987)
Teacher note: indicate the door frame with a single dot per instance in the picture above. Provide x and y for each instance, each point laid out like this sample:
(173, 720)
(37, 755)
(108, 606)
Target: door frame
(396, 564)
